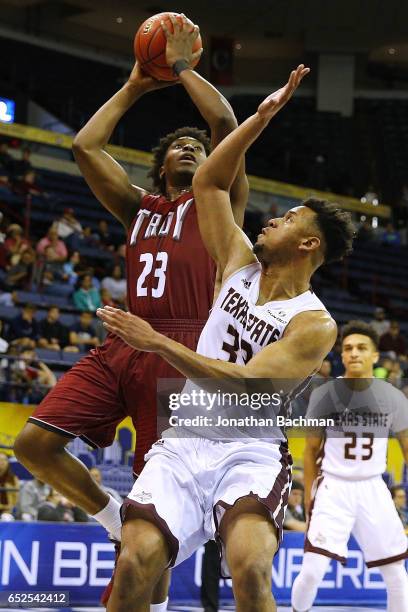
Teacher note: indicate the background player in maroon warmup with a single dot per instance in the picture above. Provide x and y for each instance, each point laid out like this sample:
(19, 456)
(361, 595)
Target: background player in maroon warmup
(170, 282)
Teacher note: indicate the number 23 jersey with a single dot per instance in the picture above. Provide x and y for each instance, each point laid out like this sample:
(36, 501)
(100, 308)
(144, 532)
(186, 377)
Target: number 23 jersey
(169, 272)
(355, 446)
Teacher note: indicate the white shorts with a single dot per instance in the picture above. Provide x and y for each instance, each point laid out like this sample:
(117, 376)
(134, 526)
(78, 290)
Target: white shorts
(188, 483)
(363, 508)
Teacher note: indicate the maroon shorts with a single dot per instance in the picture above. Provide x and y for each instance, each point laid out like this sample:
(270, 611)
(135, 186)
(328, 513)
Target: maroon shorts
(112, 382)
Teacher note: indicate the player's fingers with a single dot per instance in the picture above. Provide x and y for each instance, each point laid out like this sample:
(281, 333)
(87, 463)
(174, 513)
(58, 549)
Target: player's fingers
(165, 29)
(175, 22)
(196, 32)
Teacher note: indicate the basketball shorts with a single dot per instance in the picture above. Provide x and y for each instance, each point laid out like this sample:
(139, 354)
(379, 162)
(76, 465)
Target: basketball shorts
(112, 382)
(363, 508)
(187, 485)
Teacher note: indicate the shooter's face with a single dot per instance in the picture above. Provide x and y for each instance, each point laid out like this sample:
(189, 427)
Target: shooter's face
(183, 157)
(359, 355)
(287, 235)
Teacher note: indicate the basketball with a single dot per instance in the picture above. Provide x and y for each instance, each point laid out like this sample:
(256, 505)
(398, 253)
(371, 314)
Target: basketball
(150, 46)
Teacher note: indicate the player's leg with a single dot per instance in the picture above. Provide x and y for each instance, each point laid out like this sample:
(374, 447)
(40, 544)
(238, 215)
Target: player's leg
(160, 593)
(326, 537)
(83, 403)
(143, 558)
(45, 455)
(250, 540)
(163, 523)
(306, 584)
(396, 581)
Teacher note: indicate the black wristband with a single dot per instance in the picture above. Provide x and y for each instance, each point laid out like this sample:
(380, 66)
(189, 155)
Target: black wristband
(179, 66)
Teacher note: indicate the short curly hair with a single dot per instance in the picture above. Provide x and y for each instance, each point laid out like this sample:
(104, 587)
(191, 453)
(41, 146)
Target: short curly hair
(362, 328)
(336, 226)
(159, 152)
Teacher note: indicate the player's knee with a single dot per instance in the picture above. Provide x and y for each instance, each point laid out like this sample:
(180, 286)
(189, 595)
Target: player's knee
(34, 447)
(252, 580)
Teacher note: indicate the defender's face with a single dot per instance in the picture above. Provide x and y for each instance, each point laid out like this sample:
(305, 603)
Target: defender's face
(183, 156)
(359, 356)
(286, 233)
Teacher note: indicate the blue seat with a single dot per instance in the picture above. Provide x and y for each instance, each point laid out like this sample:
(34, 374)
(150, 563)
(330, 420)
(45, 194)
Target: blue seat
(58, 289)
(9, 312)
(48, 355)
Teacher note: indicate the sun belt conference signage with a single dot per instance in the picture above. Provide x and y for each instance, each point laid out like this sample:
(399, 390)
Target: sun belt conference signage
(78, 559)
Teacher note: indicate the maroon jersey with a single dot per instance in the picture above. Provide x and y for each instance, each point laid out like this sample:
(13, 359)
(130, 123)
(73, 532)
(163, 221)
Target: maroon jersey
(169, 272)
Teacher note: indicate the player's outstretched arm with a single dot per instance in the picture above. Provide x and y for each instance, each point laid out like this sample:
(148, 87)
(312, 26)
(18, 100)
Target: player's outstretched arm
(213, 180)
(307, 340)
(212, 105)
(106, 178)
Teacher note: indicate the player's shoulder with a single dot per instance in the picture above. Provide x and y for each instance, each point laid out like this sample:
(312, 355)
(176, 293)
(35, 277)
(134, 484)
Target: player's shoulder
(323, 390)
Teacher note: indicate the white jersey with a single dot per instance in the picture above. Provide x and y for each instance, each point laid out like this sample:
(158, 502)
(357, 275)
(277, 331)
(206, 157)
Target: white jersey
(237, 329)
(356, 447)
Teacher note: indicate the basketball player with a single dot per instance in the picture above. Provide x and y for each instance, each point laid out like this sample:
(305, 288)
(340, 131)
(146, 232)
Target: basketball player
(170, 282)
(200, 482)
(350, 495)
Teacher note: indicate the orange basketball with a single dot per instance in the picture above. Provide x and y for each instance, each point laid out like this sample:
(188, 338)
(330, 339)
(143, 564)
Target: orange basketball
(150, 46)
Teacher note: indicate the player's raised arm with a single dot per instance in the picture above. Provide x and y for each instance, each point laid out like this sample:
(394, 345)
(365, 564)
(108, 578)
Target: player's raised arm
(106, 178)
(213, 181)
(212, 105)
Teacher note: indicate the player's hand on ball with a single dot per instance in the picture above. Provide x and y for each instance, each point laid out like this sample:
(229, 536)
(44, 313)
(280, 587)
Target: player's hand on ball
(138, 78)
(277, 100)
(180, 42)
(132, 329)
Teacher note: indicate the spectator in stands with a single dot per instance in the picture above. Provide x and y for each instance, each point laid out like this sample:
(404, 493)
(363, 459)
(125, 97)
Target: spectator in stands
(32, 494)
(83, 333)
(390, 236)
(23, 329)
(103, 235)
(58, 246)
(20, 275)
(97, 476)
(116, 285)
(69, 229)
(27, 185)
(380, 323)
(32, 377)
(395, 375)
(295, 519)
(8, 482)
(400, 500)
(3, 342)
(87, 297)
(366, 233)
(57, 508)
(53, 335)
(6, 161)
(70, 268)
(22, 166)
(393, 342)
(383, 368)
(15, 244)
